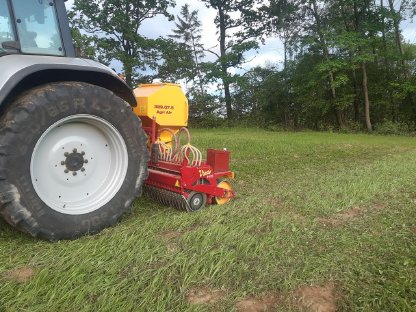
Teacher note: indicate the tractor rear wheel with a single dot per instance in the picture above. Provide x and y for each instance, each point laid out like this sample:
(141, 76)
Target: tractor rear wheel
(73, 157)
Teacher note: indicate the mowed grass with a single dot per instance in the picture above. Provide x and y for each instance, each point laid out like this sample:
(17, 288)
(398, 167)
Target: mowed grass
(312, 209)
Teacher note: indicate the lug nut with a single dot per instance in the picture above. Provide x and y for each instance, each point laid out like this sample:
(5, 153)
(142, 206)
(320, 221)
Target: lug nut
(74, 150)
(86, 161)
(82, 153)
(66, 170)
(74, 173)
(66, 154)
(82, 169)
(62, 163)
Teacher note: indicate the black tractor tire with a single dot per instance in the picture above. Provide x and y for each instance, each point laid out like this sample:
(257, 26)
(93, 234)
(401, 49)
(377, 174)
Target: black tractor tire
(22, 125)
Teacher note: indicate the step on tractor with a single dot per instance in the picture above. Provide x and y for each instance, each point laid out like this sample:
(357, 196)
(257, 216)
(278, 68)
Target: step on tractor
(77, 145)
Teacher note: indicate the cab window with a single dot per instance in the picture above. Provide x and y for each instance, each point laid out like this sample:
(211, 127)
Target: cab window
(6, 29)
(37, 27)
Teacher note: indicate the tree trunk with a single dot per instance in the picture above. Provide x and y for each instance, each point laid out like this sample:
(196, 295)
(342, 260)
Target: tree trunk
(226, 83)
(338, 113)
(197, 67)
(285, 44)
(357, 97)
(128, 75)
(354, 73)
(387, 67)
(228, 103)
(366, 98)
(397, 32)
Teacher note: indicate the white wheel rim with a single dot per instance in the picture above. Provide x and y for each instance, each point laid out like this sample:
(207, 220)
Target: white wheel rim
(79, 164)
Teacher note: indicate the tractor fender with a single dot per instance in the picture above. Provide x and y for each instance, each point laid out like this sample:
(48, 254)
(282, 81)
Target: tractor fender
(20, 73)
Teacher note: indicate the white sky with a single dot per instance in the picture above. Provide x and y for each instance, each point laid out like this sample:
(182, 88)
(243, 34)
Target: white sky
(271, 52)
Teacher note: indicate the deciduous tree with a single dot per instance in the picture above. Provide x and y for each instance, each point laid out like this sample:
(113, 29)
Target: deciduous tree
(237, 22)
(188, 33)
(114, 26)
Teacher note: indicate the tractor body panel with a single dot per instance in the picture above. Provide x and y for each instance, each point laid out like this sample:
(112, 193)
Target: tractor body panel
(21, 72)
(36, 48)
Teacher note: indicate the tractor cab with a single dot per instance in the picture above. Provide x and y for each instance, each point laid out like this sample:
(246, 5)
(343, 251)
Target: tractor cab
(36, 27)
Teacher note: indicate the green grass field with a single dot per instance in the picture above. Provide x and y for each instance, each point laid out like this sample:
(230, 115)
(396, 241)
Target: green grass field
(322, 222)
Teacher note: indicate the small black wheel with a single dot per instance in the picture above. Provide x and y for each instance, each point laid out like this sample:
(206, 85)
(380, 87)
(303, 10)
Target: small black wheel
(196, 201)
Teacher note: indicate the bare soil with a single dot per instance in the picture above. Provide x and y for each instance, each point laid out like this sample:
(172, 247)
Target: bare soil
(171, 234)
(21, 275)
(379, 206)
(204, 295)
(317, 298)
(174, 234)
(259, 304)
(341, 218)
(275, 202)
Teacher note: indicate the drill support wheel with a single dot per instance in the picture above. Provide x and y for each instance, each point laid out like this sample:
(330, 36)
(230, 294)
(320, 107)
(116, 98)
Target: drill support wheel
(224, 184)
(196, 201)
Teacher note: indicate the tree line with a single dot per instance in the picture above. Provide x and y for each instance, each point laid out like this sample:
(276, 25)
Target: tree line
(346, 63)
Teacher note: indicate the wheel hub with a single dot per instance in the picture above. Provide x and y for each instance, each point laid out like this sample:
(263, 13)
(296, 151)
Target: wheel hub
(74, 161)
(196, 201)
(79, 164)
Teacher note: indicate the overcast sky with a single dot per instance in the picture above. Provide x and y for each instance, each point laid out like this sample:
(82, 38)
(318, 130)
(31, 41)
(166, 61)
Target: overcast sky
(159, 26)
(272, 51)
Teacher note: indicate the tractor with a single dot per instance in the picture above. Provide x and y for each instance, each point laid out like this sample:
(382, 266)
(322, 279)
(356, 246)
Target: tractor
(78, 145)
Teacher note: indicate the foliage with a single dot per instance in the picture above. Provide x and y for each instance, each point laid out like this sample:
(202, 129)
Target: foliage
(84, 43)
(345, 64)
(393, 128)
(114, 26)
(188, 33)
(237, 24)
(203, 107)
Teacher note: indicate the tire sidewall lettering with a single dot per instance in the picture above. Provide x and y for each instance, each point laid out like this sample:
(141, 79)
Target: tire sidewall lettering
(85, 100)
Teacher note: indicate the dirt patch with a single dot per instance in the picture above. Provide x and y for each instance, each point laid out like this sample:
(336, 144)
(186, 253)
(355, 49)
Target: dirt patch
(275, 202)
(155, 265)
(173, 247)
(281, 206)
(259, 304)
(204, 295)
(341, 218)
(317, 298)
(174, 234)
(261, 229)
(378, 206)
(350, 214)
(21, 275)
(376, 234)
(171, 234)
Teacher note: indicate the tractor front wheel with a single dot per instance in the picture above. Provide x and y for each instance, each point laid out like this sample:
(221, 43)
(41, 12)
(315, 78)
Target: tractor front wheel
(73, 158)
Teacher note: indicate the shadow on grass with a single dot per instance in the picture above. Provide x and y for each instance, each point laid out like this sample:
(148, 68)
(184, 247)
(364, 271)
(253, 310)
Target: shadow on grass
(142, 208)
(7, 232)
